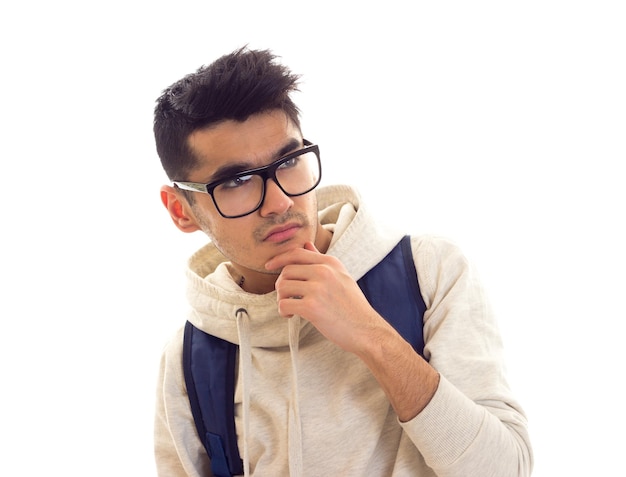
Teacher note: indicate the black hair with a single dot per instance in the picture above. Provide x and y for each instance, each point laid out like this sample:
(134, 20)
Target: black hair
(234, 87)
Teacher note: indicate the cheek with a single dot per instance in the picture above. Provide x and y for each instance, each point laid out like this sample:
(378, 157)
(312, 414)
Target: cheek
(311, 208)
(232, 240)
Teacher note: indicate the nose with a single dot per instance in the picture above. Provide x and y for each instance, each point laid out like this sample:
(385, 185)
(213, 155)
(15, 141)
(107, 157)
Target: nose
(275, 201)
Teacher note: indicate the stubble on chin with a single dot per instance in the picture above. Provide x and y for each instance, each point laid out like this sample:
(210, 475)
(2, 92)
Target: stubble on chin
(294, 217)
(232, 252)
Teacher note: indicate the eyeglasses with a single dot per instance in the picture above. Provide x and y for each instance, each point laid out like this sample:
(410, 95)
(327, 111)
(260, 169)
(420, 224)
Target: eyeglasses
(296, 174)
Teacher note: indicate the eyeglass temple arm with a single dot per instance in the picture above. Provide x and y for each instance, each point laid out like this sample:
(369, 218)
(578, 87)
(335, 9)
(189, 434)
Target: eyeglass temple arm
(192, 186)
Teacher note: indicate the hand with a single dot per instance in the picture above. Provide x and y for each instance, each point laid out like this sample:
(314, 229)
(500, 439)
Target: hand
(318, 288)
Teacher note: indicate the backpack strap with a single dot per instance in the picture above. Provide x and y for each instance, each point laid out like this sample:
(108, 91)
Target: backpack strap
(209, 368)
(392, 289)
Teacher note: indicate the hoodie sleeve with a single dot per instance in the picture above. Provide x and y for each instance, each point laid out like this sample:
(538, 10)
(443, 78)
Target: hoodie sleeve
(178, 451)
(472, 426)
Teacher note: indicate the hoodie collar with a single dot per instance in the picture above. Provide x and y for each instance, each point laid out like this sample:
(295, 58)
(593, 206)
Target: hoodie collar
(215, 298)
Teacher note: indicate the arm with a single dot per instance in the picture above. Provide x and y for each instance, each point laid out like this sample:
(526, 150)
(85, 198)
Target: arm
(334, 303)
(473, 425)
(458, 430)
(407, 379)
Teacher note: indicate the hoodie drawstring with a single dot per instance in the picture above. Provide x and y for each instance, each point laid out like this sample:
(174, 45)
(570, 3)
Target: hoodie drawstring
(245, 365)
(294, 427)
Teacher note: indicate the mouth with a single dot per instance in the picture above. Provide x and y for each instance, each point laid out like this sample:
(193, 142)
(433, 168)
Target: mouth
(282, 233)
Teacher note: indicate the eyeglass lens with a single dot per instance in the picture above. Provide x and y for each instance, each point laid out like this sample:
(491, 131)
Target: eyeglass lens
(243, 194)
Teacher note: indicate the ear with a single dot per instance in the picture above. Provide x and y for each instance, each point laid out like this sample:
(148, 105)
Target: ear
(179, 209)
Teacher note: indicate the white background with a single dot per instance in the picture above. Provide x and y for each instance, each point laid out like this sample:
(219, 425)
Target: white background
(497, 124)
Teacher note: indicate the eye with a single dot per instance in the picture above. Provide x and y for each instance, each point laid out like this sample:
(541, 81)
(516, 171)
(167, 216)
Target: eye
(236, 182)
(289, 163)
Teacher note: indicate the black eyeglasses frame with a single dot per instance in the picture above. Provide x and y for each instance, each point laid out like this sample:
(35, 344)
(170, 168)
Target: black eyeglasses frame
(266, 172)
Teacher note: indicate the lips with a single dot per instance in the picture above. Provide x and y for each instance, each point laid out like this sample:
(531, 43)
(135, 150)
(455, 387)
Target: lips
(282, 233)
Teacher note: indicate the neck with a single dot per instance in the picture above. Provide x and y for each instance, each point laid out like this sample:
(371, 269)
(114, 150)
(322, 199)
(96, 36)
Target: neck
(254, 282)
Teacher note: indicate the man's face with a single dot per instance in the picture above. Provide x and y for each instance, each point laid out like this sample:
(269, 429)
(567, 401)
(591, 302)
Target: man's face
(282, 223)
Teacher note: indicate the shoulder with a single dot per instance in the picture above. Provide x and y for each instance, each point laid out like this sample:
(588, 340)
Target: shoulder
(172, 362)
(440, 263)
(435, 251)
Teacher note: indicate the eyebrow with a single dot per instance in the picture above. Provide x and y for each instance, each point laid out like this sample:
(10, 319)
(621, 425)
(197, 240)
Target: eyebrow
(235, 168)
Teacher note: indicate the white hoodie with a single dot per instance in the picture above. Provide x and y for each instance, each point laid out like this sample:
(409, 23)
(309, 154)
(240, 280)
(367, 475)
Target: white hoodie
(305, 407)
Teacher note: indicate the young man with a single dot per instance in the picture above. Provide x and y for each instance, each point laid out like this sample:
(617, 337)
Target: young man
(324, 384)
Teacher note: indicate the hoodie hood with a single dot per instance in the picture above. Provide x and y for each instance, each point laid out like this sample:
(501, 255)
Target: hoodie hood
(216, 299)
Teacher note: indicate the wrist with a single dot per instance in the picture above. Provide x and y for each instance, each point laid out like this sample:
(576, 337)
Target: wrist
(407, 379)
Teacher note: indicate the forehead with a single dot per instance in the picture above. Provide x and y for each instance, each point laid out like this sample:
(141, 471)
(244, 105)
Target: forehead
(251, 143)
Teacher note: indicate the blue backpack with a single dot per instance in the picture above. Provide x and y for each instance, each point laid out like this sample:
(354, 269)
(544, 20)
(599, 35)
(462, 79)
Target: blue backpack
(392, 289)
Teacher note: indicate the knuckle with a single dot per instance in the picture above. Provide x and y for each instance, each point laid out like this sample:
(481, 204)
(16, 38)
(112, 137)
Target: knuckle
(325, 272)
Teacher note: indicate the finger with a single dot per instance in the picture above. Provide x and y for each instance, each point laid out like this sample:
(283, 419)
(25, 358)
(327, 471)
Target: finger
(289, 293)
(301, 256)
(295, 305)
